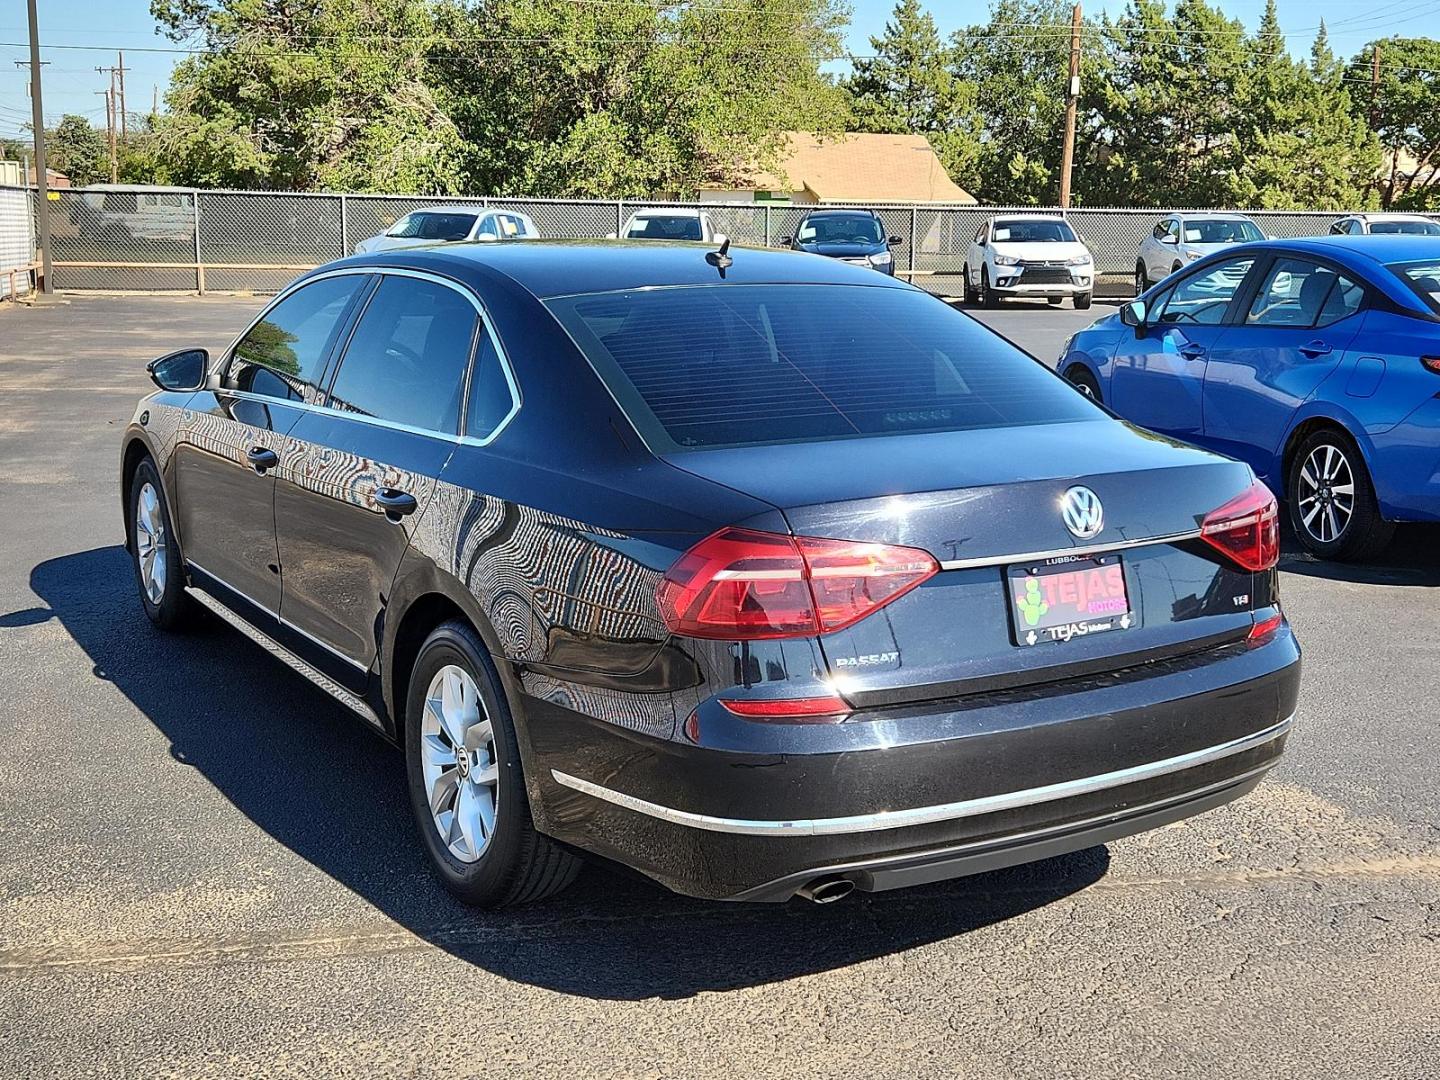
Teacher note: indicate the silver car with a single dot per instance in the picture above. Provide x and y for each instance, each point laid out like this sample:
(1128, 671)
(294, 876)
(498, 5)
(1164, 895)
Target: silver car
(448, 224)
(1182, 238)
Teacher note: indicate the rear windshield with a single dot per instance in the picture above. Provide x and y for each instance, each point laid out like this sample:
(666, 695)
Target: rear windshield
(1423, 278)
(1033, 232)
(434, 226)
(838, 229)
(1410, 228)
(733, 365)
(664, 227)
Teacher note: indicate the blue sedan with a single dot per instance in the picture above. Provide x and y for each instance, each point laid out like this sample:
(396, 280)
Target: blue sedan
(1315, 361)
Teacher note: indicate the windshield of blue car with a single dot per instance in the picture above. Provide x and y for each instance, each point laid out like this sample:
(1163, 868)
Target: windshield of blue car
(735, 365)
(664, 227)
(1033, 232)
(1423, 278)
(1410, 228)
(434, 227)
(841, 229)
(1221, 231)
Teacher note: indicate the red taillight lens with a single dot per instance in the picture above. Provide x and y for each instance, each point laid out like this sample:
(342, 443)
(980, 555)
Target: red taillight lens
(744, 584)
(1247, 528)
(1431, 363)
(1263, 629)
(832, 707)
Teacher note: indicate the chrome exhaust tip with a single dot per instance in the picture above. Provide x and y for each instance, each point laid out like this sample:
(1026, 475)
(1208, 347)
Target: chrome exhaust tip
(826, 890)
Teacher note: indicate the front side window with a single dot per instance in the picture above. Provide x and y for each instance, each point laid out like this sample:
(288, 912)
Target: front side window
(406, 360)
(429, 225)
(1159, 229)
(1201, 299)
(1034, 232)
(1297, 292)
(283, 355)
(709, 366)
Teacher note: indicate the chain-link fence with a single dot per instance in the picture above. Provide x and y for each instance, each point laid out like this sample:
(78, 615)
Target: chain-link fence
(156, 239)
(17, 242)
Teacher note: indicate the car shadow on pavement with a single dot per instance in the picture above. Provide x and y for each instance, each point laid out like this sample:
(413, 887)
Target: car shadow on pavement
(1413, 558)
(303, 769)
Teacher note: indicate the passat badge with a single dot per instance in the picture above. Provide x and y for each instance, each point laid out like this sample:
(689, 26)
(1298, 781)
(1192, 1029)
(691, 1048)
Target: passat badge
(1081, 510)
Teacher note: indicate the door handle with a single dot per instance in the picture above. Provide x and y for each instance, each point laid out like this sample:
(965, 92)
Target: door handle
(1191, 351)
(1315, 348)
(395, 503)
(261, 458)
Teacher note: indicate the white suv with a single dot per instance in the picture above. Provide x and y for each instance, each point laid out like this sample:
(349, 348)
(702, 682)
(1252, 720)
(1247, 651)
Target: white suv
(1369, 224)
(1182, 238)
(1028, 255)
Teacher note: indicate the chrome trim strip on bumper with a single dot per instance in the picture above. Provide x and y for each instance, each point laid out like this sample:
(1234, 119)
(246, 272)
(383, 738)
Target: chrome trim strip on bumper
(1085, 549)
(926, 815)
(274, 648)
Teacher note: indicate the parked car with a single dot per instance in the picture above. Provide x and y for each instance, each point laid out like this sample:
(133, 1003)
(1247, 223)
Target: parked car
(854, 236)
(450, 224)
(1028, 255)
(1316, 362)
(674, 223)
(1376, 224)
(1180, 239)
(636, 551)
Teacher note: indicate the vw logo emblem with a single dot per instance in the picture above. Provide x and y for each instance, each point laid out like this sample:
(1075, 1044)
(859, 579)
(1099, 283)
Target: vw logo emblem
(1082, 513)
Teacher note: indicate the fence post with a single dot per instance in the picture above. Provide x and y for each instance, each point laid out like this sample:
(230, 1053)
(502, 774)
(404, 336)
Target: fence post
(768, 241)
(914, 234)
(619, 216)
(199, 266)
(344, 226)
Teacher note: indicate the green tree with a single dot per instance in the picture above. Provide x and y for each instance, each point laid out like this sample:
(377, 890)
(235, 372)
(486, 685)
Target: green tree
(908, 85)
(76, 149)
(1406, 107)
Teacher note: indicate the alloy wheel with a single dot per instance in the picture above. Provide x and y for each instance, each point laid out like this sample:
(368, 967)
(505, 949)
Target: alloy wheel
(457, 748)
(1327, 493)
(150, 543)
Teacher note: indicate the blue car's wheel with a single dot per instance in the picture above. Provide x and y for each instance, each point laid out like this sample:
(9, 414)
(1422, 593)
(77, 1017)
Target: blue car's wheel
(1333, 508)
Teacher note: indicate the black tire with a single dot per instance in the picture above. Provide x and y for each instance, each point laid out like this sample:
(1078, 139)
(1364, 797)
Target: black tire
(1175, 269)
(172, 609)
(988, 296)
(518, 865)
(1142, 282)
(1365, 534)
(1082, 301)
(970, 295)
(1081, 378)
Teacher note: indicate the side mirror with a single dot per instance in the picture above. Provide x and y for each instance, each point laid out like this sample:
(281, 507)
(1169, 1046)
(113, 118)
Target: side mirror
(180, 371)
(981, 242)
(896, 241)
(486, 236)
(1170, 238)
(1133, 314)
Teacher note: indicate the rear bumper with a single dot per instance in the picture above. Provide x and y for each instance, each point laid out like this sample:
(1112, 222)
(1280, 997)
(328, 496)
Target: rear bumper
(962, 787)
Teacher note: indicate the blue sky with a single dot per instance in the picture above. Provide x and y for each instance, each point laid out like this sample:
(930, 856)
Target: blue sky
(73, 85)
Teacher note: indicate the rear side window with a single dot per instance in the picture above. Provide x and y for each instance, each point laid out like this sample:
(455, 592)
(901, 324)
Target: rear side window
(1423, 278)
(492, 396)
(283, 355)
(406, 360)
(1297, 292)
(719, 365)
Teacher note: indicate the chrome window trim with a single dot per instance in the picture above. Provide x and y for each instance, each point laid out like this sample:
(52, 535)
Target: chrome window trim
(927, 815)
(278, 618)
(1055, 553)
(466, 439)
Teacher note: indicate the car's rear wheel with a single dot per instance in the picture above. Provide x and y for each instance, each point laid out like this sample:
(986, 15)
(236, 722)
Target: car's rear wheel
(1332, 503)
(467, 785)
(988, 296)
(154, 552)
(1082, 301)
(1083, 381)
(1141, 281)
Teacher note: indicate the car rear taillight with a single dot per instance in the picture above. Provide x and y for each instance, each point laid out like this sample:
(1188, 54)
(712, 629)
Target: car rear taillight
(1247, 528)
(1265, 626)
(826, 709)
(742, 584)
(1431, 363)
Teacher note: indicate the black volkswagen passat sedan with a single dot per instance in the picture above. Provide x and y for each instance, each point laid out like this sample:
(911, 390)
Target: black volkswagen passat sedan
(771, 578)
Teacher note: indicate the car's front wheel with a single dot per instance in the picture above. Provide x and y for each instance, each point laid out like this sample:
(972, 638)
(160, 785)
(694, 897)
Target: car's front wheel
(1332, 503)
(154, 552)
(1082, 301)
(1083, 381)
(467, 785)
(988, 296)
(970, 295)
(1141, 281)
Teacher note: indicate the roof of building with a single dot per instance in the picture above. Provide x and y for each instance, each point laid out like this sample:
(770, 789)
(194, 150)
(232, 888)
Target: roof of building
(859, 167)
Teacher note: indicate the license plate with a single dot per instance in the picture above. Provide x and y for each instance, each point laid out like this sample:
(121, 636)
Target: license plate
(1067, 598)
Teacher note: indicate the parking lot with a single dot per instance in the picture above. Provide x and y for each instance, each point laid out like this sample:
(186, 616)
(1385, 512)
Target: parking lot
(208, 868)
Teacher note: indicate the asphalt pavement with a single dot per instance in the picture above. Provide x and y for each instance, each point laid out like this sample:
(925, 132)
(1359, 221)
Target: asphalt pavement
(208, 868)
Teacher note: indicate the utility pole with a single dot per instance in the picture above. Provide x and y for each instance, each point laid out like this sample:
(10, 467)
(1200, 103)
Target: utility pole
(42, 182)
(1072, 104)
(109, 96)
(120, 71)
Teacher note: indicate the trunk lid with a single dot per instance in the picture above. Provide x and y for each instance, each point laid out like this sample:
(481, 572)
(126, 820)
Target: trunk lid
(983, 501)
